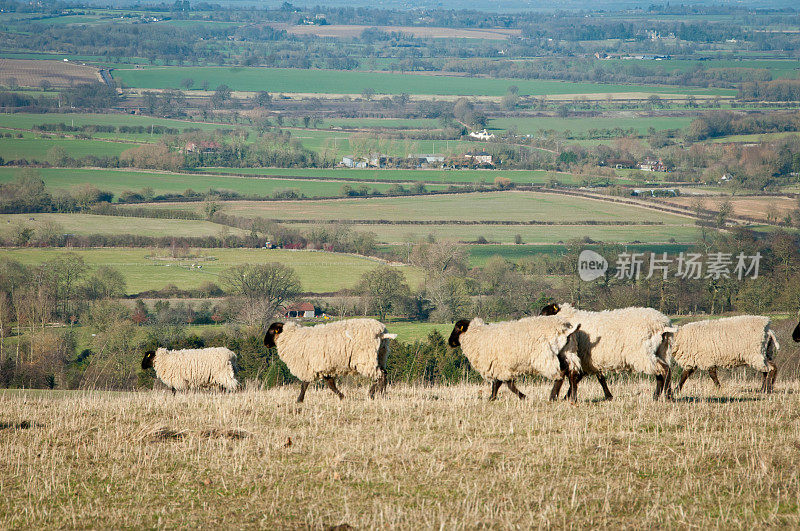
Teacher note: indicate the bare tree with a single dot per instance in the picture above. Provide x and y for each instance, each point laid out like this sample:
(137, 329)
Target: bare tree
(269, 284)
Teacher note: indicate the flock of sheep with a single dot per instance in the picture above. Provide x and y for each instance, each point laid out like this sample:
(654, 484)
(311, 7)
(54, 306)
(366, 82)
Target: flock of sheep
(561, 343)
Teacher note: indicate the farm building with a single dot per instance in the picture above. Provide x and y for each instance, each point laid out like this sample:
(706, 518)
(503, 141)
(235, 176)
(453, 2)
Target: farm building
(482, 135)
(202, 147)
(305, 310)
(480, 157)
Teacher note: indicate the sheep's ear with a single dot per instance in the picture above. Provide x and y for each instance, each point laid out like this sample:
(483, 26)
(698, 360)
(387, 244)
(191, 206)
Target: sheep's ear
(273, 331)
(550, 309)
(462, 325)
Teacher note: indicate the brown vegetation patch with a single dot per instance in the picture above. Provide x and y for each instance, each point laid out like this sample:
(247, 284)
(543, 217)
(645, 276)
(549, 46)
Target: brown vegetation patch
(31, 73)
(346, 30)
(765, 208)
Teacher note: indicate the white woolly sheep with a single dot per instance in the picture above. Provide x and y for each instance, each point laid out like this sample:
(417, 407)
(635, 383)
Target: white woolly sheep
(353, 346)
(728, 342)
(193, 368)
(501, 352)
(633, 338)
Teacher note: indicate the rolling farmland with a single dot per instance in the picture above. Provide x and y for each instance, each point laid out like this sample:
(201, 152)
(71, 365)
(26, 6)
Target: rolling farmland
(340, 82)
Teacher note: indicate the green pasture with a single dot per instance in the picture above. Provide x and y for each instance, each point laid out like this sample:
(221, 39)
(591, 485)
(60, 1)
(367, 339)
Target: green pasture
(396, 234)
(581, 126)
(480, 254)
(433, 176)
(381, 123)
(347, 82)
(29, 120)
(118, 181)
(319, 272)
(84, 224)
(759, 137)
(31, 148)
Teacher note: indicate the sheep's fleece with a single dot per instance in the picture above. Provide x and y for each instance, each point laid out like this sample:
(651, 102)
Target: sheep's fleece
(727, 342)
(503, 351)
(194, 368)
(623, 339)
(334, 349)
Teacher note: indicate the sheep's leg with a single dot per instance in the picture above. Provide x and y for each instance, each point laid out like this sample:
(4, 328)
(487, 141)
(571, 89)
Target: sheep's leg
(495, 387)
(330, 381)
(511, 385)
(713, 373)
(569, 391)
(684, 376)
(303, 387)
(606, 391)
(379, 385)
(574, 378)
(769, 378)
(556, 389)
(173, 391)
(663, 381)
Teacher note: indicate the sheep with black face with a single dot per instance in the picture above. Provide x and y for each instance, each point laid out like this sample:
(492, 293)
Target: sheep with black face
(353, 346)
(638, 339)
(193, 368)
(502, 352)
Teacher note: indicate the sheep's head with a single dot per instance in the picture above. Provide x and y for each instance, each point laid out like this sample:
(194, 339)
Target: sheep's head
(460, 327)
(796, 334)
(147, 361)
(550, 309)
(273, 332)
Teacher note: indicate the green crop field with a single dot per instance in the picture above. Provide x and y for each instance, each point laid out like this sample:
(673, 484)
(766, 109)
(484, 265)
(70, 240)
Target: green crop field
(582, 125)
(443, 176)
(118, 181)
(319, 272)
(36, 148)
(83, 224)
(480, 254)
(345, 82)
(388, 123)
(403, 233)
(29, 120)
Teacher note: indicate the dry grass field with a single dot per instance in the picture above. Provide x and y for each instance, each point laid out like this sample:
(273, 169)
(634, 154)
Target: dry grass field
(754, 207)
(421, 458)
(31, 73)
(346, 30)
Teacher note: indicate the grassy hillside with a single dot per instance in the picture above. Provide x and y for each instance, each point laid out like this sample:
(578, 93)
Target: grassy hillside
(420, 458)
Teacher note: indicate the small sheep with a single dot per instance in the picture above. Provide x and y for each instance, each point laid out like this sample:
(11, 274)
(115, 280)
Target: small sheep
(501, 352)
(354, 346)
(728, 342)
(193, 368)
(633, 338)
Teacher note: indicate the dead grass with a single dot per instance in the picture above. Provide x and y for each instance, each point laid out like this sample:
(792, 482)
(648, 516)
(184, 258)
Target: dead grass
(422, 458)
(31, 73)
(764, 208)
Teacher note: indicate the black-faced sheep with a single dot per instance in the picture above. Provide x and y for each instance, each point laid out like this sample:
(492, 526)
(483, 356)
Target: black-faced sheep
(728, 342)
(195, 368)
(353, 346)
(637, 339)
(501, 352)
(796, 334)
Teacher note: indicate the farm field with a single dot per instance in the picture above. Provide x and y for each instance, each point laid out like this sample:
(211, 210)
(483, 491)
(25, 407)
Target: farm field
(760, 137)
(36, 148)
(444, 176)
(480, 254)
(319, 272)
(118, 181)
(29, 73)
(754, 207)
(583, 125)
(29, 120)
(83, 224)
(508, 206)
(347, 30)
(400, 233)
(424, 457)
(343, 82)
